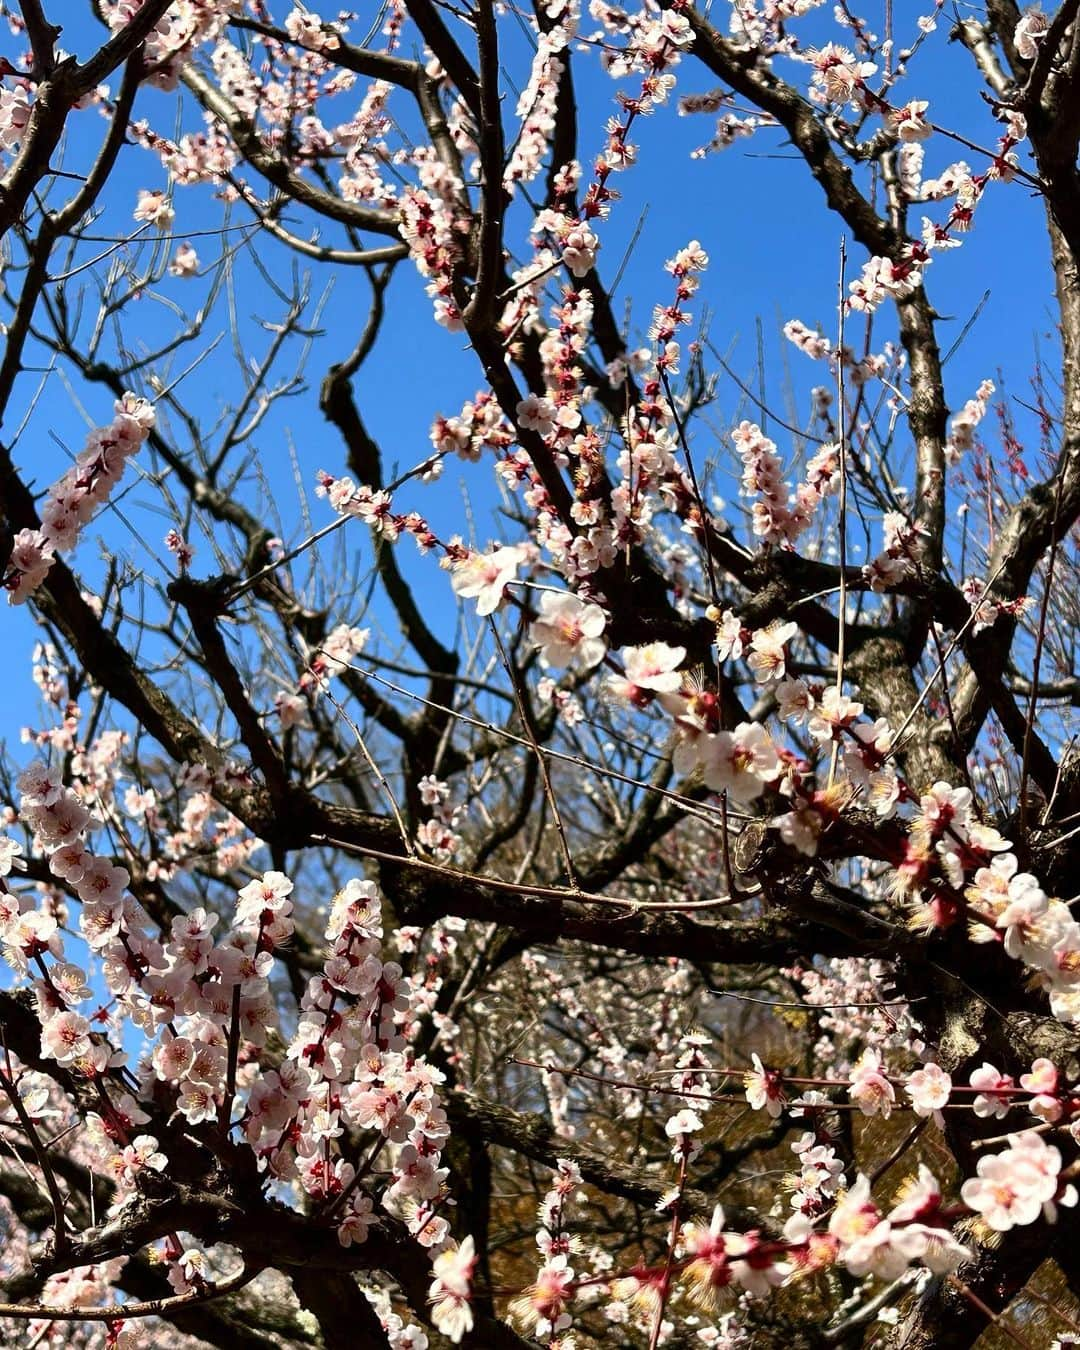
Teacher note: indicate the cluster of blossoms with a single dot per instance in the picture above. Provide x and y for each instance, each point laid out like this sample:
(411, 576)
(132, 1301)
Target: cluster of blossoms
(888, 278)
(400, 1334)
(742, 761)
(778, 516)
(605, 519)
(838, 76)
(542, 1308)
(182, 551)
(197, 157)
(14, 116)
(585, 544)
(963, 424)
(349, 1068)
(63, 734)
(438, 834)
(851, 1007)
(332, 656)
(538, 103)
(820, 1176)
(857, 369)
(85, 1287)
(651, 481)
(480, 425)
(946, 847)
(1009, 906)
(203, 831)
(1002, 904)
(556, 416)
(1019, 1185)
(967, 188)
(73, 499)
(204, 1004)
(710, 1258)
(372, 506)
(730, 127)
(764, 27)
(310, 30)
(653, 48)
(434, 227)
(900, 276)
(33, 946)
(185, 25)
(869, 1242)
(451, 1290)
(832, 1224)
(926, 1091)
(900, 557)
(568, 707)
(987, 609)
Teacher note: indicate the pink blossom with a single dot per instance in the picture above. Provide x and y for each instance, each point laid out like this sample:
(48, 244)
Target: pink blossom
(536, 414)
(567, 631)
(652, 669)
(483, 577)
(855, 1214)
(767, 654)
(764, 1088)
(709, 1270)
(870, 1089)
(580, 247)
(65, 1037)
(10, 851)
(154, 208)
(909, 122)
(929, 1089)
(834, 713)
(739, 762)
(730, 636)
(1029, 32)
(185, 262)
(542, 1308)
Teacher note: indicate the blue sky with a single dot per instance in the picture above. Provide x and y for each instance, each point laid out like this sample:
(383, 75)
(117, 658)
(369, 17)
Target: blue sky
(774, 251)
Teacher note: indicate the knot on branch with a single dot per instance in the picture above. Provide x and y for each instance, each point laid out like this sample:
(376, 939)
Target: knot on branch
(206, 599)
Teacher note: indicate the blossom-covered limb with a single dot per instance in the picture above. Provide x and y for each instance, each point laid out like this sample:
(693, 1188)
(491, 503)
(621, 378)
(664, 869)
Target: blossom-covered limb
(277, 171)
(154, 1308)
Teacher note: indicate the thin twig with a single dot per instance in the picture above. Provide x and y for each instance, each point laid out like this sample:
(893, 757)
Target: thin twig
(525, 713)
(59, 1222)
(995, 1318)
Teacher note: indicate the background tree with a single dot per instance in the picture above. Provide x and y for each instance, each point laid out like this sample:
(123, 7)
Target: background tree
(696, 848)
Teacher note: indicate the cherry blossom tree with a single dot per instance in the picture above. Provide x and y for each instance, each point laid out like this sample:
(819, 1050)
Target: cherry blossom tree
(633, 922)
